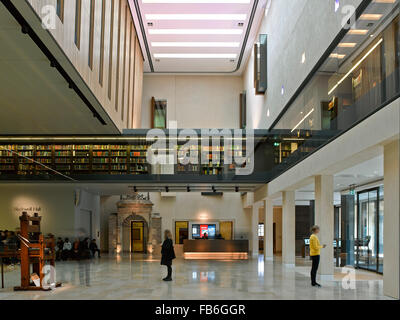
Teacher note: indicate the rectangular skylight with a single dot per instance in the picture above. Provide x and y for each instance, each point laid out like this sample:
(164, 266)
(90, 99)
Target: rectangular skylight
(196, 16)
(195, 55)
(196, 31)
(197, 44)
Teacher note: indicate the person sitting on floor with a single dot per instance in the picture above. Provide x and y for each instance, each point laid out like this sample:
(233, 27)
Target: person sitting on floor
(93, 248)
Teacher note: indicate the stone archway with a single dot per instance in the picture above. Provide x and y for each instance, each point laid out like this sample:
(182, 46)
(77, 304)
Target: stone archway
(126, 232)
(132, 208)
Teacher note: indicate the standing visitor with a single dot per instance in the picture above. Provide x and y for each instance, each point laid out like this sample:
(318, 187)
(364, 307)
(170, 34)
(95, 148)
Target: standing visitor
(167, 254)
(315, 252)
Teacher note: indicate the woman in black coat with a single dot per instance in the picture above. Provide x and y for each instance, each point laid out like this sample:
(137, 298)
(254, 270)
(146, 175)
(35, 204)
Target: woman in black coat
(167, 254)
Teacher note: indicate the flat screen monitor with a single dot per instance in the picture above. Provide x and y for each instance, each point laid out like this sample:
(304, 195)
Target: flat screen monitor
(199, 231)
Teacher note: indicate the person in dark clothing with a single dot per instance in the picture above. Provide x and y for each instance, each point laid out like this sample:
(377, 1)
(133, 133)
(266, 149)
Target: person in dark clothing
(93, 248)
(76, 247)
(167, 254)
(59, 248)
(84, 252)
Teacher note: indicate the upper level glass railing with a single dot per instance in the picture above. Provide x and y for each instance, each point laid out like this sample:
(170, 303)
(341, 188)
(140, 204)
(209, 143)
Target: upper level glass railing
(180, 156)
(354, 79)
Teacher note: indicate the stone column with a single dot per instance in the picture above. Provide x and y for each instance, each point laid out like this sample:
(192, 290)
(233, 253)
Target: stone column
(324, 218)
(288, 228)
(268, 229)
(254, 230)
(391, 268)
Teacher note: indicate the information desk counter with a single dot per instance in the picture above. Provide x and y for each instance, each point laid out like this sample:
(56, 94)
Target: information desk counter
(216, 249)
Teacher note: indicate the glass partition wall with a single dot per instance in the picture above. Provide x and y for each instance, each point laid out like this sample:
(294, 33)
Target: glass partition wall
(369, 242)
(360, 75)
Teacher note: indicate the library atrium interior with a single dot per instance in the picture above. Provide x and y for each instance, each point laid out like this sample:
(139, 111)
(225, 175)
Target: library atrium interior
(231, 127)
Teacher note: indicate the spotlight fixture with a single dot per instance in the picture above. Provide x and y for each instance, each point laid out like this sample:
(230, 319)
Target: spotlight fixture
(166, 189)
(213, 189)
(188, 189)
(236, 189)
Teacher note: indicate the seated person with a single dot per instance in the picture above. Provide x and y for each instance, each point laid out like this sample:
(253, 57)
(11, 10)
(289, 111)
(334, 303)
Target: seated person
(12, 242)
(93, 248)
(75, 249)
(67, 250)
(59, 248)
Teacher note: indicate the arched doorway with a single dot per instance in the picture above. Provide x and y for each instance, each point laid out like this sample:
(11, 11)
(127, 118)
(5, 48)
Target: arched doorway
(135, 234)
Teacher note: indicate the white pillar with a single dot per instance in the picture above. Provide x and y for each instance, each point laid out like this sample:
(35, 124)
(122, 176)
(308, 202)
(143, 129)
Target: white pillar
(268, 229)
(324, 218)
(254, 229)
(288, 228)
(391, 268)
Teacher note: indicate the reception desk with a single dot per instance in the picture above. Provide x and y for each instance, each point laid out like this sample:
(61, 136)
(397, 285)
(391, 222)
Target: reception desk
(216, 249)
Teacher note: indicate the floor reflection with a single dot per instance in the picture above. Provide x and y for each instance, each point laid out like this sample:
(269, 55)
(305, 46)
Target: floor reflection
(140, 277)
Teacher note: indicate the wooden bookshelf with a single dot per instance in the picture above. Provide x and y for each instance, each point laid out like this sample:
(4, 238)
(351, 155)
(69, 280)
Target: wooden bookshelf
(105, 159)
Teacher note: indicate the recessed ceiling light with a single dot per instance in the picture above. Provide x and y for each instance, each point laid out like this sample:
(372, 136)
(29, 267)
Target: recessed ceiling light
(196, 16)
(337, 56)
(347, 45)
(197, 44)
(195, 55)
(196, 31)
(195, 1)
(371, 16)
(358, 31)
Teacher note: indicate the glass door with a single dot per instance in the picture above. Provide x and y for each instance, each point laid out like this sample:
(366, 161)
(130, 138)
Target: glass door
(368, 230)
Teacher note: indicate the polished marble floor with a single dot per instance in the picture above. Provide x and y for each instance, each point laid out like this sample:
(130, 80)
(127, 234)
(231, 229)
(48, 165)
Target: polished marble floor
(139, 277)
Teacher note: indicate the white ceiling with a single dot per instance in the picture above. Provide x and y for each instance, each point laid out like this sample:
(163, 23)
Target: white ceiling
(229, 52)
(363, 173)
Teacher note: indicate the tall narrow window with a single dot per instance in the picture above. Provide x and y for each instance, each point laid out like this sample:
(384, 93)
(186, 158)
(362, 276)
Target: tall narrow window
(118, 55)
(129, 75)
(124, 64)
(158, 113)
(110, 61)
(78, 16)
(60, 9)
(103, 20)
(91, 32)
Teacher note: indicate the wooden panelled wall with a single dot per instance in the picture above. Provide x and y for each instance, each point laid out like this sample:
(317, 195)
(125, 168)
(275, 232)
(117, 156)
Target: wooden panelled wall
(108, 56)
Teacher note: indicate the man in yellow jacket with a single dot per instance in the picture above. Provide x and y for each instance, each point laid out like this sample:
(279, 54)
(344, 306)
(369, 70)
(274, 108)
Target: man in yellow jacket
(315, 251)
